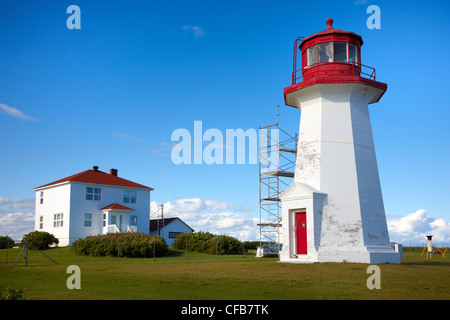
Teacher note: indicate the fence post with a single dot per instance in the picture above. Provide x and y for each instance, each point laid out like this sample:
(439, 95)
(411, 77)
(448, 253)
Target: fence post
(26, 254)
(217, 244)
(7, 248)
(186, 250)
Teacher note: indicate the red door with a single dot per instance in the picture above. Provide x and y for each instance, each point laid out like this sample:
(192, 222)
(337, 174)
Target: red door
(300, 222)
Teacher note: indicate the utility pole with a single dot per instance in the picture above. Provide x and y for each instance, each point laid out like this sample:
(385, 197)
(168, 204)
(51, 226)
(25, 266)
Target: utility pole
(162, 217)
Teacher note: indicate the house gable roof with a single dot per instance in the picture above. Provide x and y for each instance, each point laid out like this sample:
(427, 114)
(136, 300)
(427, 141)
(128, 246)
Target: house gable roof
(97, 177)
(299, 190)
(164, 222)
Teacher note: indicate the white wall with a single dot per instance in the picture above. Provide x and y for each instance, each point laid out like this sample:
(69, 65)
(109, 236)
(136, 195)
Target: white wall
(110, 195)
(56, 200)
(70, 199)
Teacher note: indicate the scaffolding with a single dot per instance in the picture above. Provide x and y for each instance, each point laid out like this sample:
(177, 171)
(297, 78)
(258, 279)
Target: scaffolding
(277, 154)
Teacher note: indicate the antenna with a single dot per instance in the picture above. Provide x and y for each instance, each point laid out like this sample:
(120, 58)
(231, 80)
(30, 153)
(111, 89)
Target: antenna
(278, 113)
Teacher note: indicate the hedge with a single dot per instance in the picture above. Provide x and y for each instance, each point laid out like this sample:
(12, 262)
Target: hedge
(132, 245)
(206, 242)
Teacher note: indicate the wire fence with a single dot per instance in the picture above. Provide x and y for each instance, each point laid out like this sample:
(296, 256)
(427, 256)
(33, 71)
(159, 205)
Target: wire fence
(16, 253)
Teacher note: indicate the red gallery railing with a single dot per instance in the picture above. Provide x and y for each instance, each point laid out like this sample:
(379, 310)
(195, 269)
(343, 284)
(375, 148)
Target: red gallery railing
(321, 70)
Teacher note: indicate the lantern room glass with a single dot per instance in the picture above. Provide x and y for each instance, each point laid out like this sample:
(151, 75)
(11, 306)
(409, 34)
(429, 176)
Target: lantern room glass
(352, 54)
(326, 52)
(340, 52)
(332, 52)
(311, 54)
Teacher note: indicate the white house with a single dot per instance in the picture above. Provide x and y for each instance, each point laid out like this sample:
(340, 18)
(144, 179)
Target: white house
(169, 228)
(91, 202)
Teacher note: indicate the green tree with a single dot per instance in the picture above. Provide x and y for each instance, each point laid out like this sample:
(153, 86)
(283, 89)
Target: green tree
(40, 239)
(6, 241)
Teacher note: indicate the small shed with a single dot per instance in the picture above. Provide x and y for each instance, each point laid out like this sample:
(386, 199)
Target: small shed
(169, 228)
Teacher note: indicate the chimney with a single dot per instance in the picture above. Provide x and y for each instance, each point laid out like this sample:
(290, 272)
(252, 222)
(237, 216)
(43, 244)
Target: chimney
(113, 172)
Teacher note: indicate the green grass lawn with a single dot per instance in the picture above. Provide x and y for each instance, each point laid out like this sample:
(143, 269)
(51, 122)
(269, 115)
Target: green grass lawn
(203, 276)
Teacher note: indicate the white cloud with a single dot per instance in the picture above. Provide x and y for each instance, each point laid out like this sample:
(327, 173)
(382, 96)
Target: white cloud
(16, 113)
(164, 149)
(198, 32)
(213, 216)
(360, 2)
(125, 136)
(17, 203)
(16, 217)
(412, 229)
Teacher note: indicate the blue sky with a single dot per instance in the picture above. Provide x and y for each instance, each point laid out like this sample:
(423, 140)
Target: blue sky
(112, 93)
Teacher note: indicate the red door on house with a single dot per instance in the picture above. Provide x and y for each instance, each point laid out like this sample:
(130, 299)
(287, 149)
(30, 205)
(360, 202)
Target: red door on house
(300, 222)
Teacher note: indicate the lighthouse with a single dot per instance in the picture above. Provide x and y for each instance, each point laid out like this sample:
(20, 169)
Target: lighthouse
(333, 211)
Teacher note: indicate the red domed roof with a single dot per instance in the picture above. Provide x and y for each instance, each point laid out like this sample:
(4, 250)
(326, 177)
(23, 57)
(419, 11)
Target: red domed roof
(331, 30)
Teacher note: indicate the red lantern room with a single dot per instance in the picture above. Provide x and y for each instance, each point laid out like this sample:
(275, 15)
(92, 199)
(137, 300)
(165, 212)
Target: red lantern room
(331, 56)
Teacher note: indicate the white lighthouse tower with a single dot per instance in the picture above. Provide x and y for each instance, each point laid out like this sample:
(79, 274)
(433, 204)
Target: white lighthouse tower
(333, 211)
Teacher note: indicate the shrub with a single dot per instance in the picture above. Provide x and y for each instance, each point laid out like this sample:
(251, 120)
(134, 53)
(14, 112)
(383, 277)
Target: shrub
(40, 239)
(5, 241)
(197, 242)
(225, 245)
(132, 245)
(13, 294)
(206, 242)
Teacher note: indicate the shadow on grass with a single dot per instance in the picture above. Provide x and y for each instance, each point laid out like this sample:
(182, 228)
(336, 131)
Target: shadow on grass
(173, 253)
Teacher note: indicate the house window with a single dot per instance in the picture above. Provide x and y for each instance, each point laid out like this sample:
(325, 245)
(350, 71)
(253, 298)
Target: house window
(93, 193)
(173, 235)
(104, 219)
(133, 220)
(41, 222)
(41, 199)
(88, 219)
(58, 220)
(129, 196)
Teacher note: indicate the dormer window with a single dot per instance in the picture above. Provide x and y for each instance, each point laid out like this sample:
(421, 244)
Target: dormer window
(331, 52)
